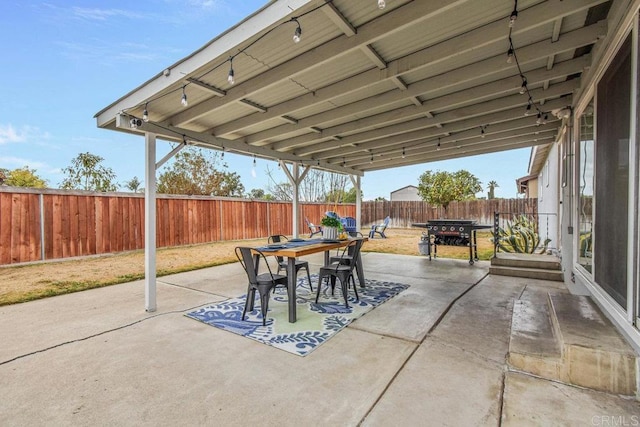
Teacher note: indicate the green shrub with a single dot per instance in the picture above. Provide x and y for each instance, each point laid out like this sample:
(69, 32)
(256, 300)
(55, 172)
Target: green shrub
(520, 236)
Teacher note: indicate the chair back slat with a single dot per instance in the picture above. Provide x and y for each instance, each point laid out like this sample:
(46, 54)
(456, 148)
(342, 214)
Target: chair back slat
(277, 238)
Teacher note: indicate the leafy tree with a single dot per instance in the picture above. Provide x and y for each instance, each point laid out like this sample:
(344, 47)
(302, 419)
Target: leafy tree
(133, 184)
(195, 171)
(341, 196)
(380, 199)
(441, 188)
(256, 193)
(22, 177)
(491, 187)
(87, 173)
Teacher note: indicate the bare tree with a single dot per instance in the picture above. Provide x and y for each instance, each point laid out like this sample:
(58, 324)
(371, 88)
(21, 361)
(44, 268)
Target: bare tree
(317, 186)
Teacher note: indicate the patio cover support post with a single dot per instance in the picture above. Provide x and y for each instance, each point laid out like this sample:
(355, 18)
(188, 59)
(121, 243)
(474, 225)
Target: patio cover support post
(295, 178)
(150, 222)
(356, 181)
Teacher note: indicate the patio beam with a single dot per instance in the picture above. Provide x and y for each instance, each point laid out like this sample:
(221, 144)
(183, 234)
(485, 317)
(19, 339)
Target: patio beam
(414, 137)
(172, 133)
(457, 153)
(428, 57)
(326, 150)
(389, 23)
(465, 141)
(453, 80)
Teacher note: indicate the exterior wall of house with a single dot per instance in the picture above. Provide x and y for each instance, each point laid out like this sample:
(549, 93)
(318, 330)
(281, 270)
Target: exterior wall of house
(406, 194)
(604, 226)
(548, 198)
(532, 189)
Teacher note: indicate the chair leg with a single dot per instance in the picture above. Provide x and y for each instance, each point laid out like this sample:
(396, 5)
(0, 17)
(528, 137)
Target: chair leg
(264, 306)
(320, 277)
(309, 278)
(251, 295)
(344, 284)
(355, 288)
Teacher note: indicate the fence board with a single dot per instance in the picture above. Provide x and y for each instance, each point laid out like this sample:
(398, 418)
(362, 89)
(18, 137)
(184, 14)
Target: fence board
(80, 223)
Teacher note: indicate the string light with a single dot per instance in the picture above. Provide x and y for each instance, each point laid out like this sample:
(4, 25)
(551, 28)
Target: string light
(514, 14)
(510, 55)
(438, 146)
(482, 131)
(184, 101)
(222, 154)
(231, 77)
(253, 169)
(371, 161)
(403, 154)
(523, 88)
(297, 35)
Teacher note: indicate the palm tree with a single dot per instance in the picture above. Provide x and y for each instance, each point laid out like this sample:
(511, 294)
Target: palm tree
(491, 186)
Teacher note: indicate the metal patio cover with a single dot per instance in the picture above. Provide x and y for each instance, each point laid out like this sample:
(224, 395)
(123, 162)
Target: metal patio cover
(368, 88)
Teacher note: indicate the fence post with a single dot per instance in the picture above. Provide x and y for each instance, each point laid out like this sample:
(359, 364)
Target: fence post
(42, 252)
(496, 225)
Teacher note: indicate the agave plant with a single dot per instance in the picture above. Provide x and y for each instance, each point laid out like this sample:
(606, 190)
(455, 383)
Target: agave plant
(520, 236)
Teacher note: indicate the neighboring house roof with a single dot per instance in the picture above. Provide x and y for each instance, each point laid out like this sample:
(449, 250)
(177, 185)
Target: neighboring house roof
(404, 188)
(522, 183)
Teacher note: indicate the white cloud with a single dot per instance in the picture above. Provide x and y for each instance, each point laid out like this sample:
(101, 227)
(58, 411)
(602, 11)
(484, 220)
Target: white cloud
(9, 134)
(11, 162)
(103, 14)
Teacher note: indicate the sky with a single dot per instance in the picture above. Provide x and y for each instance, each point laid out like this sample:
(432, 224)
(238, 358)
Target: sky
(63, 61)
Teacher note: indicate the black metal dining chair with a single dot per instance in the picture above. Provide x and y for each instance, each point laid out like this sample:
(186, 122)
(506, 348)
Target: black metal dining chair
(342, 272)
(250, 259)
(344, 257)
(282, 263)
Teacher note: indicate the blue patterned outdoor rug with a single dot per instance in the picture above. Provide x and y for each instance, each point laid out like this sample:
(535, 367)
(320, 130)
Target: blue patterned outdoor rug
(316, 323)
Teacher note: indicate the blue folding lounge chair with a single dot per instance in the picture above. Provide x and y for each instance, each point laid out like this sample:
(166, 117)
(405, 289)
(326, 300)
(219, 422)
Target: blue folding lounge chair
(379, 229)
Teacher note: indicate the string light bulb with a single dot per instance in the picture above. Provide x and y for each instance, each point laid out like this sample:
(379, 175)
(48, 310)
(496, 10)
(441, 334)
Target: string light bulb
(231, 77)
(297, 34)
(523, 88)
(145, 114)
(382, 4)
(514, 15)
(184, 101)
(371, 161)
(539, 120)
(482, 135)
(222, 154)
(510, 55)
(438, 146)
(527, 111)
(253, 169)
(545, 118)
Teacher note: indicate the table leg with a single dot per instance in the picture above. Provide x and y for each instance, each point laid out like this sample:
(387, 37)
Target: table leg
(291, 288)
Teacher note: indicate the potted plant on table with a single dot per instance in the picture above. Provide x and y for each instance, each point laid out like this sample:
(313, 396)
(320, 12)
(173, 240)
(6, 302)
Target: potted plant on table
(330, 226)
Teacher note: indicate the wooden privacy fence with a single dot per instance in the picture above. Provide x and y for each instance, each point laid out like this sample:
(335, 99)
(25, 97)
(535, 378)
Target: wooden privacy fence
(404, 213)
(38, 224)
(42, 224)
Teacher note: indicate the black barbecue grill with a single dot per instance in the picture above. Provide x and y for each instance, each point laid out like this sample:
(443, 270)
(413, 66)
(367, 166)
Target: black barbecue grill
(455, 232)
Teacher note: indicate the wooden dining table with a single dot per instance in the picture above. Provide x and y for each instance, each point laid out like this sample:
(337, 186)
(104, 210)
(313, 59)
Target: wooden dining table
(295, 249)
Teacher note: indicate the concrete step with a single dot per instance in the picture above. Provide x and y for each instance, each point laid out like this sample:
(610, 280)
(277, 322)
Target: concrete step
(533, 346)
(595, 355)
(566, 338)
(530, 273)
(544, 262)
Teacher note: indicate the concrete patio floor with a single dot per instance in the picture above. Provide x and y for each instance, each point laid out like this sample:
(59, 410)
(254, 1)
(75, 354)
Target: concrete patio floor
(433, 355)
